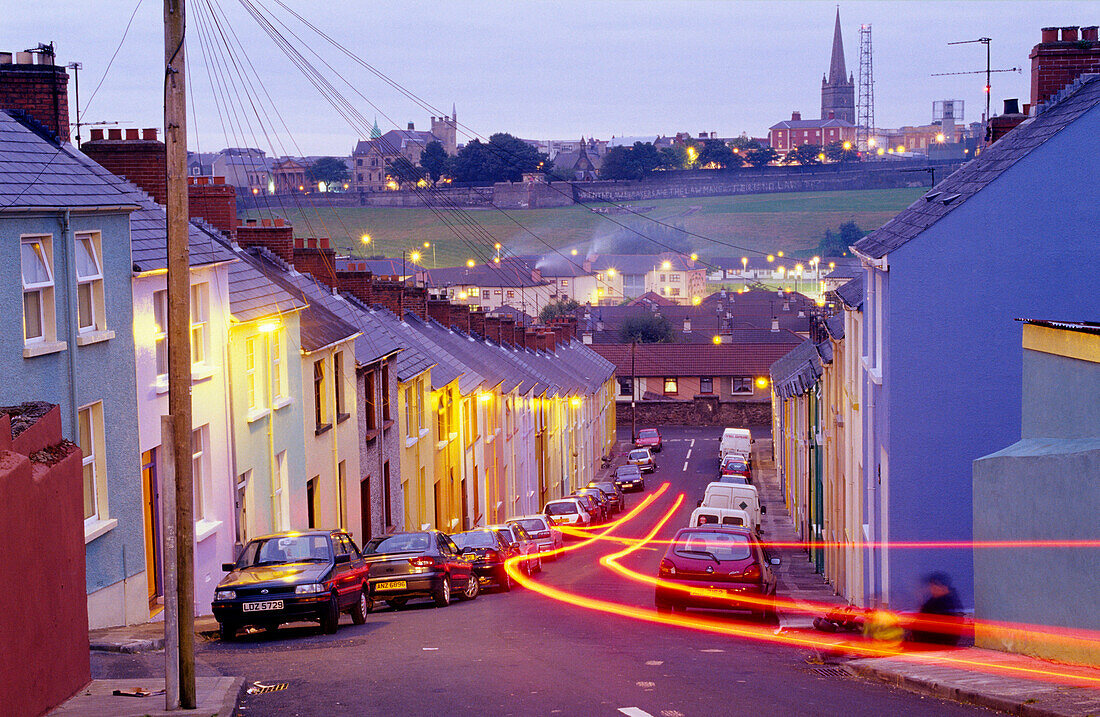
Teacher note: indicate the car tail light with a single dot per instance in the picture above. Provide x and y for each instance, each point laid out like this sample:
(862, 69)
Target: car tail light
(667, 567)
(422, 561)
(490, 555)
(752, 572)
(543, 534)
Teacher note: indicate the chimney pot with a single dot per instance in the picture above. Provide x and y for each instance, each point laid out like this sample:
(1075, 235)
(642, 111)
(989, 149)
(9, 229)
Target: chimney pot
(114, 134)
(1089, 33)
(251, 222)
(299, 243)
(24, 58)
(97, 134)
(411, 127)
(149, 133)
(775, 325)
(324, 242)
(279, 221)
(266, 222)
(796, 116)
(1012, 106)
(1050, 34)
(832, 114)
(1069, 34)
(131, 133)
(5, 58)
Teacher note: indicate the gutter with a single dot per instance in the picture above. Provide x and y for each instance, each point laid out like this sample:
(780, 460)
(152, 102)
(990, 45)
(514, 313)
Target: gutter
(53, 210)
(881, 264)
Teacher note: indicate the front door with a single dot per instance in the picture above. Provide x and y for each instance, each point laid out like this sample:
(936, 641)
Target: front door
(151, 496)
(364, 508)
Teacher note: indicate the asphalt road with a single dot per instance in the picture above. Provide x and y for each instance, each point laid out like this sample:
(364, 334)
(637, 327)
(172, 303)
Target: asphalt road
(523, 653)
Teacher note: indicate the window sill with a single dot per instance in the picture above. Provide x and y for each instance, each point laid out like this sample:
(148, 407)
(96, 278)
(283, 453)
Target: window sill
(283, 402)
(205, 528)
(98, 528)
(411, 441)
(256, 414)
(201, 372)
(440, 445)
(94, 337)
(322, 428)
(41, 348)
(423, 432)
(370, 434)
(341, 417)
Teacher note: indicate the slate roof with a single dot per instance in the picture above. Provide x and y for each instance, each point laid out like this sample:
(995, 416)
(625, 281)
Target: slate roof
(674, 360)
(796, 372)
(522, 319)
(1061, 111)
(852, 293)
(632, 264)
(149, 238)
(811, 124)
(509, 272)
(835, 326)
(38, 173)
(377, 267)
(557, 266)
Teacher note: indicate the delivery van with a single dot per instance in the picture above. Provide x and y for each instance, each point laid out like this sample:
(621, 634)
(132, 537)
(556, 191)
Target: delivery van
(735, 440)
(721, 516)
(730, 496)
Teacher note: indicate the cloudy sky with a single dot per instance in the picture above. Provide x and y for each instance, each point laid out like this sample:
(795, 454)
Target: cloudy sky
(543, 70)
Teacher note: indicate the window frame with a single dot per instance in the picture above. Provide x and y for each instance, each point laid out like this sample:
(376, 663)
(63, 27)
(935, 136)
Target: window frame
(338, 385)
(710, 384)
(253, 391)
(43, 289)
(743, 381)
(674, 381)
(200, 322)
(96, 459)
(160, 331)
(276, 364)
(93, 282)
(320, 410)
(198, 472)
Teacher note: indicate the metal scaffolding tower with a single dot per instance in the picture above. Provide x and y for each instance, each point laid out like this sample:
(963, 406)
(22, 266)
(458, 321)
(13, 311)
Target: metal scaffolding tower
(865, 113)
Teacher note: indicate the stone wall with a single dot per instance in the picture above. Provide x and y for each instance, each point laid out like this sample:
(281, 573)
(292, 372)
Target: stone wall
(697, 412)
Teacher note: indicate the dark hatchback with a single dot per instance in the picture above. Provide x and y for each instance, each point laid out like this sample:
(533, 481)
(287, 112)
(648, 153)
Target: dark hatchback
(629, 476)
(613, 492)
(487, 550)
(423, 564)
(293, 576)
(712, 568)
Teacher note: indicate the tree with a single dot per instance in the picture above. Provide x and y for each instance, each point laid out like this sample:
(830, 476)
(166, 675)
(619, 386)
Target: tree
(718, 153)
(836, 244)
(630, 162)
(674, 157)
(329, 170)
(761, 156)
(835, 152)
(402, 171)
(434, 160)
(646, 329)
(744, 142)
(503, 158)
(808, 154)
(554, 309)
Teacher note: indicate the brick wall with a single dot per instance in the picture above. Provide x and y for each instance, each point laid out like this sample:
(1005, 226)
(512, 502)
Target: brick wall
(276, 236)
(210, 198)
(140, 158)
(39, 90)
(697, 412)
(440, 310)
(460, 317)
(1063, 54)
(356, 283)
(315, 256)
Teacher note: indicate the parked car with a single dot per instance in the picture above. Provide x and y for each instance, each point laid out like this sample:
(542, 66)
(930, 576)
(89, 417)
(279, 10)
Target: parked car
(568, 511)
(629, 476)
(740, 497)
(606, 509)
(734, 464)
(487, 550)
(420, 564)
(712, 567)
(736, 479)
(721, 516)
(649, 438)
(527, 546)
(541, 529)
(287, 577)
(613, 492)
(642, 458)
(595, 510)
(736, 440)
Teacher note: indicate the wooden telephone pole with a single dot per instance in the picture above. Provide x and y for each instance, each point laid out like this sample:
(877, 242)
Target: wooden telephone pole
(181, 630)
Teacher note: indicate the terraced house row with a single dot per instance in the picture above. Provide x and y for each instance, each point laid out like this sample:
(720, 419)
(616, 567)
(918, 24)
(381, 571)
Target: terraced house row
(320, 397)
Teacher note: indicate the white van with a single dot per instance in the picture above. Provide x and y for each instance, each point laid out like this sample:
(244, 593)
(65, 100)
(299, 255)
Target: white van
(735, 440)
(730, 496)
(721, 516)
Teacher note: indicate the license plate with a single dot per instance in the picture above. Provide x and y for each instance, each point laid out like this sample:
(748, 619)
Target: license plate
(391, 585)
(262, 605)
(709, 592)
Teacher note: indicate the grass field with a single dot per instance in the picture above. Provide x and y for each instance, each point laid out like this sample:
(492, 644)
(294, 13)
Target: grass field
(739, 225)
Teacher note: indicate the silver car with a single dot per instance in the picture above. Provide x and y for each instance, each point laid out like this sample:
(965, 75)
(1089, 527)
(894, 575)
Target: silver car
(543, 531)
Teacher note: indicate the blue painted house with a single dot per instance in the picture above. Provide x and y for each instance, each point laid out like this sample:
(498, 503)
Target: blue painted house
(65, 280)
(1010, 234)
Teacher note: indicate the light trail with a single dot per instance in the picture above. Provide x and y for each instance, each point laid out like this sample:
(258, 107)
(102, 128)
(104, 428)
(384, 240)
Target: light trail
(759, 633)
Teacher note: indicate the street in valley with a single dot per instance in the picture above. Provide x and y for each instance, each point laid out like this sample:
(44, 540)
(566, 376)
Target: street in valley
(522, 653)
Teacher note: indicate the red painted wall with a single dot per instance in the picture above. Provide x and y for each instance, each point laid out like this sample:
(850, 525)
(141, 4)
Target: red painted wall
(44, 630)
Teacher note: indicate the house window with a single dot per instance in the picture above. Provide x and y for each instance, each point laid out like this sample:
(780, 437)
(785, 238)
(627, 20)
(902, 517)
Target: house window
(625, 386)
(36, 262)
(199, 319)
(671, 386)
(421, 408)
(198, 470)
(385, 392)
(160, 330)
(408, 411)
(277, 383)
(511, 294)
(338, 383)
(675, 291)
(371, 403)
(663, 277)
(341, 493)
(387, 502)
(279, 494)
(312, 497)
(252, 379)
(319, 407)
(564, 282)
(92, 446)
(673, 277)
(706, 385)
(485, 294)
(89, 287)
(741, 384)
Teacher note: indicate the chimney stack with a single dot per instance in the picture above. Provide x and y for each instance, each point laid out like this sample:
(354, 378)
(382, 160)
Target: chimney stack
(1056, 62)
(796, 116)
(140, 161)
(279, 240)
(210, 198)
(40, 91)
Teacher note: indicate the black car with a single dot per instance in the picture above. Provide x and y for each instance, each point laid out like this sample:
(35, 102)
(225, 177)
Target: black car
(421, 564)
(287, 577)
(601, 498)
(629, 476)
(613, 492)
(487, 550)
(591, 504)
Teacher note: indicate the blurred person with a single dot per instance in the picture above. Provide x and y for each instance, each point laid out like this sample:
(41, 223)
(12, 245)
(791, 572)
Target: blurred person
(942, 603)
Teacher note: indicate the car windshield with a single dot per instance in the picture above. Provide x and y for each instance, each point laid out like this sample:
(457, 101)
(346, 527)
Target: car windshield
(563, 508)
(640, 455)
(723, 546)
(735, 479)
(400, 543)
(286, 549)
(737, 465)
(474, 539)
(532, 525)
(627, 471)
(607, 488)
(648, 433)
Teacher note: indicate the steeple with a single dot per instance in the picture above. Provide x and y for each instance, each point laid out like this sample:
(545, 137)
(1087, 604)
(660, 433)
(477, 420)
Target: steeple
(837, 74)
(375, 132)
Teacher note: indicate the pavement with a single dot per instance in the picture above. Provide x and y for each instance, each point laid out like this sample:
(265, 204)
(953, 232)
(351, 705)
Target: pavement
(215, 696)
(938, 673)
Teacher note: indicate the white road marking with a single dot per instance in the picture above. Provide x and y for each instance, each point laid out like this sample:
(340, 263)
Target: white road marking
(692, 443)
(654, 663)
(671, 713)
(685, 465)
(634, 712)
(429, 648)
(645, 685)
(689, 454)
(712, 650)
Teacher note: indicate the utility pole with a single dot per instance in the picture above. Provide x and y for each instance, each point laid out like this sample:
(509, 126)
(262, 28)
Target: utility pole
(633, 395)
(76, 67)
(988, 72)
(179, 348)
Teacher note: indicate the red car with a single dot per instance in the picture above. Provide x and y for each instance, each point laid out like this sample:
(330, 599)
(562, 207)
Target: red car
(710, 567)
(735, 466)
(649, 438)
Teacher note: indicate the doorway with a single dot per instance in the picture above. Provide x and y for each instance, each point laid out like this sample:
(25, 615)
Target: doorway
(364, 508)
(151, 503)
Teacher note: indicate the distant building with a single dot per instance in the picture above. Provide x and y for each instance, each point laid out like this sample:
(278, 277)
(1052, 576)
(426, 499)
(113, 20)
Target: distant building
(584, 162)
(370, 156)
(290, 176)
(795, 132)
(838, 90)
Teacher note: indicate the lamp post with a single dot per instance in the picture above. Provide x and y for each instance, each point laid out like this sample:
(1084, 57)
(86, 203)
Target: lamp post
(633, 395)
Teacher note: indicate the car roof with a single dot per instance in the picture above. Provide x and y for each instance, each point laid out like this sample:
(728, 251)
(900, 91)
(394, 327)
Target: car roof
(737, 529)
(295, 533)
(560, 500)
(533, 516)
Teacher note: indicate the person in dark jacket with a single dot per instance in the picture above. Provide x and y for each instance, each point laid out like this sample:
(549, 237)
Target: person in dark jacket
(943, 606)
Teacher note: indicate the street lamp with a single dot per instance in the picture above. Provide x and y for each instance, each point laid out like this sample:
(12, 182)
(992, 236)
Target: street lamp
(365, 239)
(470, 263)
(717, 340)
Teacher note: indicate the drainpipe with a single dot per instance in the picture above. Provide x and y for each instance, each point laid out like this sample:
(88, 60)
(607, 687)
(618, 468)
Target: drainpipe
(69, 250)
(275, 496)
(237, 545)
(335, 442)
(381, 443)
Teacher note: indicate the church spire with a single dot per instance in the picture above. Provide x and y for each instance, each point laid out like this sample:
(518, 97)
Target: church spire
(837, 74)
(375, 131)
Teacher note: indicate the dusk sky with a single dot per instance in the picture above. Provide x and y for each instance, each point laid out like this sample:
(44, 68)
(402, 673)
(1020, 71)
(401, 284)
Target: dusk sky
(549, 70)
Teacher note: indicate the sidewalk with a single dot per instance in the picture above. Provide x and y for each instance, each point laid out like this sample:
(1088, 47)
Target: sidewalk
(145, 637)
(215, 696)
(933, 672)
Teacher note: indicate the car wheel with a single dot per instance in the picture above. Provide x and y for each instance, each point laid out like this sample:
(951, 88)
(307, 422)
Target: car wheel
(472, 588)
(397, 603)
(330, 619)
(227, 631)
(538, 564)
(504, 581)
(642, 487)
(443, 594)
(362, 608)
